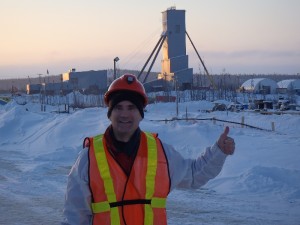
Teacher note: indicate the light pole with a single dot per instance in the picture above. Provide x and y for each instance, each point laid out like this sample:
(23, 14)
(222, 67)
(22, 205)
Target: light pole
(115, 61)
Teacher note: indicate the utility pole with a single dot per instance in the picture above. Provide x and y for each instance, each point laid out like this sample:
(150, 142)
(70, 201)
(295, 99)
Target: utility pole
(176, 91)
(42, 100)
(115, 61)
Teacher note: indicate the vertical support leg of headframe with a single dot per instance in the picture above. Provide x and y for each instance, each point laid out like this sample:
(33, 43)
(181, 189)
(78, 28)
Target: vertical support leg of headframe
(206, 71)
(159, 43)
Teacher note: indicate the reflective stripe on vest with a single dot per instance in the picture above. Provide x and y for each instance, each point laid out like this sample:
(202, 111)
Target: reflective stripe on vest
(108, 183)
(111, 205)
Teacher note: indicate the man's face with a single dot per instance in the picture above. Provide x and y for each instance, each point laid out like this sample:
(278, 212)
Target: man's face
(125, 119)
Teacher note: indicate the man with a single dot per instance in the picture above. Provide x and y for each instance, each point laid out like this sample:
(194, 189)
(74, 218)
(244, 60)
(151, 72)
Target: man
(124, 176)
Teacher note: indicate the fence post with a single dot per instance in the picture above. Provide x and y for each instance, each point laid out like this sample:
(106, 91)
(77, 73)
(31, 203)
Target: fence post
(214, 120)
(243, 121)
(273, 126)
(186, 114)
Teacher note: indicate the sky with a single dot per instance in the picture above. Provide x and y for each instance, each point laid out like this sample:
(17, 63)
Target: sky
(232, 36)
(259, 184)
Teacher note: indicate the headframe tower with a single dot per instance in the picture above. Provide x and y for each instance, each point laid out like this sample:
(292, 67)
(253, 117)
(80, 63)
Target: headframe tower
(175, 60)
(174, 64)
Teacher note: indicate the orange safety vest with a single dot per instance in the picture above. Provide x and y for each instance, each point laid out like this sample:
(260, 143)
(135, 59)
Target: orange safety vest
(135, 200)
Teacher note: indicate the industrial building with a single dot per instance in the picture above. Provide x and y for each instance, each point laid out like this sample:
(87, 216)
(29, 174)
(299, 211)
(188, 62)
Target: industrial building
(88, 82)
(175, 60)
(175, 71)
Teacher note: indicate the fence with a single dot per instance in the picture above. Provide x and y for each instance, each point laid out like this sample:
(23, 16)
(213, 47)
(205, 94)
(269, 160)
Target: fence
(242, 123)
(74, 100)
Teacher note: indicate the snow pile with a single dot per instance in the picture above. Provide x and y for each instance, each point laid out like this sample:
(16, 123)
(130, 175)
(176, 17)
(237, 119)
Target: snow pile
(261, 181)
(259, 184)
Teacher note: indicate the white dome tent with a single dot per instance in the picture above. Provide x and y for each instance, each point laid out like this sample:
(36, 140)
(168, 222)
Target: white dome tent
(260, 85)
(289, 85)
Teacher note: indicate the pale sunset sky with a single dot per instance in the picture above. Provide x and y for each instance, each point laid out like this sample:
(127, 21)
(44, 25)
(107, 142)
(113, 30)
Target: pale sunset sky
(232, 36)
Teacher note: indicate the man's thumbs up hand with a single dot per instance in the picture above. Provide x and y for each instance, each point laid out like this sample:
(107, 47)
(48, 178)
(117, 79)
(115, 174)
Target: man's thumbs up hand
(226, 143)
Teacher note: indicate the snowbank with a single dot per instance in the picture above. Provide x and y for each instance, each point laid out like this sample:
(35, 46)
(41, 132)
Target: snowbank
(259, 184)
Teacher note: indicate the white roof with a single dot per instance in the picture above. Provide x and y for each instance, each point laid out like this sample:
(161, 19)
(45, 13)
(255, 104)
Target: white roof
(252, 84)
(289, 84)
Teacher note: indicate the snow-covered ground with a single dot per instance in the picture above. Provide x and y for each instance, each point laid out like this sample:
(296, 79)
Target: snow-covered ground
(259, 184)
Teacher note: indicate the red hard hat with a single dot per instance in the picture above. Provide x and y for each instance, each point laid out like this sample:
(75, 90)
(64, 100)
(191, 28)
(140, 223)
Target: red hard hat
(127, 82)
